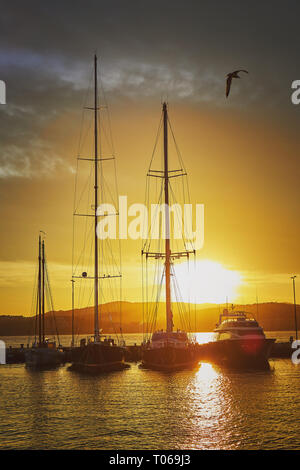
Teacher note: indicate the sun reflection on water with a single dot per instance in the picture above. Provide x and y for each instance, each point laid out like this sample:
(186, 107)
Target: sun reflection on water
(210, 406)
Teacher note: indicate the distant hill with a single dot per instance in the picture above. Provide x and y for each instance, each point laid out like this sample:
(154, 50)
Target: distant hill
(272, 316)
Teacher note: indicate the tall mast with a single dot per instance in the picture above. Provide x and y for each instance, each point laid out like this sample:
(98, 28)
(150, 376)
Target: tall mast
(40, 291)
(169, 316)
(43, 291)
(96, 273)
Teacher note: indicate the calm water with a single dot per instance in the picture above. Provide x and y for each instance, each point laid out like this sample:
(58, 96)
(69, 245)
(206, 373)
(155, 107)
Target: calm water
(208, 408)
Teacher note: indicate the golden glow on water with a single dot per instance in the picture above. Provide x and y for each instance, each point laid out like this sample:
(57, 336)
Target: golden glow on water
(206, 374)
(204, 408)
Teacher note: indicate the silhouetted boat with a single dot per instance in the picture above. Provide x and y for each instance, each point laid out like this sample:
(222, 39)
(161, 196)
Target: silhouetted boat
(241, 341)
(44, 352)
(168, 350)
(99, 354)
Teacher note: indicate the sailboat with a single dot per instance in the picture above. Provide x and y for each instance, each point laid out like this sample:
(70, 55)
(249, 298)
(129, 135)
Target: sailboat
(44, 352)
(100, 353)
(167, 350)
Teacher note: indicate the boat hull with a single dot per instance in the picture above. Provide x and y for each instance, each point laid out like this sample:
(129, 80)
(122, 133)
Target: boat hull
(97, 358)
(169, 358)
(43, 357)
(241, 353)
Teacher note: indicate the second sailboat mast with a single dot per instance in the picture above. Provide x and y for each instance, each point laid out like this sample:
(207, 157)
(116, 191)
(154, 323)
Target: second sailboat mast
(169, 326)
(96, 272)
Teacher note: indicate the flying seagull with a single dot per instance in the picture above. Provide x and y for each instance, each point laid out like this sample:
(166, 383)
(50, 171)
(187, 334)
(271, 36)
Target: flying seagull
(230, 76)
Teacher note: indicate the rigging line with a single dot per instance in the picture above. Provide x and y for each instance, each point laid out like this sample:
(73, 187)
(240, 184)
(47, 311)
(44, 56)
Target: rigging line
(144, 241)
(148, 239)
(48, 302)
(51, 303)
(83, 251)
(73, 221)
(109, 259)
(176, 146)
(189, 290)
(101, 183)
(105, 135)
(176, 202)
(33, 308)
(157, 279)
(101, 133)
(83, 191)
(149, 235)
(157, 304)
(82, 137)
(154, 219)
(181, 161)
(109, 312)
(184, 239)
(178, 308)
(152, 298)
(85, 308)
(146, 202)
(35, 317)
(79, 146)
(79, 292)
(147, 296)
(88, 203)
(86, 134)
(85, 97)
(195, 255)
(156, 275)
(51, 299)
(143, 306)
(106, 188)
(180, 302)
(89, 260)
(181, 312)
(156, 140)
(107, 110)
(153, 301)
(119, 240)
(85, 267)
(175, 294)
(178, 217)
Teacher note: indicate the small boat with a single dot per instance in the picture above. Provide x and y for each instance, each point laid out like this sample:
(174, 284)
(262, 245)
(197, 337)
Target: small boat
(241, 341)
(44, 352)
(168, 350)
(99, 354)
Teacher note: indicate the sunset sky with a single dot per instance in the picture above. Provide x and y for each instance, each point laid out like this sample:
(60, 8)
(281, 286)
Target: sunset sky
(242, 153)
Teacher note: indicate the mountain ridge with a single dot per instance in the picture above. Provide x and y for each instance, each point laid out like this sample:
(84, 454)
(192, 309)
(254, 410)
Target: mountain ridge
(271, 315)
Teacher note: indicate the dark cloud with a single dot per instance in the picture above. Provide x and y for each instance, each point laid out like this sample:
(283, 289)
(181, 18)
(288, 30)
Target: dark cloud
(148, 49)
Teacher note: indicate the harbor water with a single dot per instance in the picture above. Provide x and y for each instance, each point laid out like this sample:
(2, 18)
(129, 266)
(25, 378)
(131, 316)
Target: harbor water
(205, 408)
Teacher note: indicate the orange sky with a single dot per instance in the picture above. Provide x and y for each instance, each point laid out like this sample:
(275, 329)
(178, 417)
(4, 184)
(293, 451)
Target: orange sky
(241, 153)
(235, 169)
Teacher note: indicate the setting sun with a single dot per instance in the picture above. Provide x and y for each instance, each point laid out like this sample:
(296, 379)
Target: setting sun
(207, 282)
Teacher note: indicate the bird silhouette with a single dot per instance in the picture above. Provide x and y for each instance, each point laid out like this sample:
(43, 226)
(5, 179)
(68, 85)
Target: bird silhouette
(230, 76)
